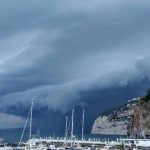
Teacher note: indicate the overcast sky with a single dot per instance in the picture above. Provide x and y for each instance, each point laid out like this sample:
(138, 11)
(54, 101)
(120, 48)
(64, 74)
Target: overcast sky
(52, 50)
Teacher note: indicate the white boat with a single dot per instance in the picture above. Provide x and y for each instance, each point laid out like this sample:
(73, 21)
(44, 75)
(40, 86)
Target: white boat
(6, 148)
(143, 143)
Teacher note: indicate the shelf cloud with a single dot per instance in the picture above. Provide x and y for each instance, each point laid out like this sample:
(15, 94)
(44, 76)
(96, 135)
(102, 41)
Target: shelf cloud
(53, 50)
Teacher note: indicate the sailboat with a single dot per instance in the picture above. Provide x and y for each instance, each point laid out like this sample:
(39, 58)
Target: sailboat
(72, 145)
(31, 144)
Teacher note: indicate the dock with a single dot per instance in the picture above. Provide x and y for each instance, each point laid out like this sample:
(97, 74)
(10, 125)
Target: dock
(75, 141)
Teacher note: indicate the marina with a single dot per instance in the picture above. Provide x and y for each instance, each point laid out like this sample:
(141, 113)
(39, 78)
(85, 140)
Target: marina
(50, 143)
(70, 141)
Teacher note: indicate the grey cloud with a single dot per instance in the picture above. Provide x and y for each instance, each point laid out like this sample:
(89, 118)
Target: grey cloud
(143, 66)
(11, 121)
(55, 50)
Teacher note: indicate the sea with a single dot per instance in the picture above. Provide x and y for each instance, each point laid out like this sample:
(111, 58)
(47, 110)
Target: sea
(14, 135)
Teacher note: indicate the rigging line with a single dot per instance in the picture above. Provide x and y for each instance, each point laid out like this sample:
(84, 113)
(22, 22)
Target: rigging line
(78, 126)
(24, 127)
(69, 125)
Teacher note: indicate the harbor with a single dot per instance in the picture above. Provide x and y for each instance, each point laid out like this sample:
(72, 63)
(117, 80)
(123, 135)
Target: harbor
(70, 141)
(50, 143)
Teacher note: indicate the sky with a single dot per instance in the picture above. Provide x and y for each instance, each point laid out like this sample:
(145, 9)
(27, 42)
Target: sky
(64, 53)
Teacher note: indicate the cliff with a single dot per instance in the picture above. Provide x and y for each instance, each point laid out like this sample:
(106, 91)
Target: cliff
(140, 123)
(116, 120)
(132, 119)
(103, 125)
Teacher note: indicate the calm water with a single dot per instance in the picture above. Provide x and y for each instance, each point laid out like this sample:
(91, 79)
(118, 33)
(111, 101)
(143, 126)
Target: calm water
(13, 135)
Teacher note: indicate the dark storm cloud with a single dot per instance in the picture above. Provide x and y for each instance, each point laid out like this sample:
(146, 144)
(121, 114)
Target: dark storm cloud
(53, 50)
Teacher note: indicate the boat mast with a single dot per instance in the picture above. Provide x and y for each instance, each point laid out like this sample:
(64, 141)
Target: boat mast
(24, 127)
(66, 130)
(72, 126)
(30, 133)
(82, 124)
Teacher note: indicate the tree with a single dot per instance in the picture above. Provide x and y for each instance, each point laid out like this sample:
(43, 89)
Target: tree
(146, 98)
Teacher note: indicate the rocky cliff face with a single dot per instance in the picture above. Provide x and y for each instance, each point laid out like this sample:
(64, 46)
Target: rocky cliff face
(115, 121)
(132, 119)
(103, 125)
(140, 123)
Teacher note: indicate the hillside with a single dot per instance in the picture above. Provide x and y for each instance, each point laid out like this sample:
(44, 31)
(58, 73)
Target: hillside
(116, 120)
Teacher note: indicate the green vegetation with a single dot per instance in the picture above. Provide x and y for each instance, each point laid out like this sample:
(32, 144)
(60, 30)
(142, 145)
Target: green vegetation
(146, 98)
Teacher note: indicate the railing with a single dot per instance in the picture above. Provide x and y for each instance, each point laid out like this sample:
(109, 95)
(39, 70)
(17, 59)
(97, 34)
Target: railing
(96, 141)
